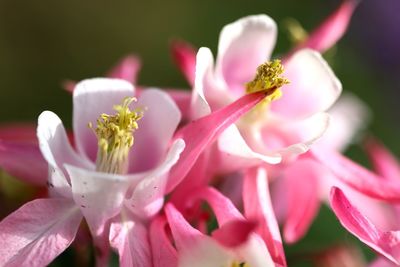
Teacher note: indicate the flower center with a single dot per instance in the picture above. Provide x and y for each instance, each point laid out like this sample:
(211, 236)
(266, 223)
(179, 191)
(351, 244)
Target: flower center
(115, 137)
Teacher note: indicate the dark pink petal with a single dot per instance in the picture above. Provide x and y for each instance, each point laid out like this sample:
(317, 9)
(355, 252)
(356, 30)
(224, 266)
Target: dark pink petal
(200, 133)
(258, 207)
(358, 177)
(25, 161)
(184, 55)
(302, 193)
(332, 29)
(69, 85)
(130, 239)
(126, 69)
(385, 163)
(19, 132)
(386, 243)
(164, 254)
(38, 232)
(234, 233)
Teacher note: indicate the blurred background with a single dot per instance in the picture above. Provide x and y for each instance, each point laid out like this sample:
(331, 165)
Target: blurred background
(43, 43)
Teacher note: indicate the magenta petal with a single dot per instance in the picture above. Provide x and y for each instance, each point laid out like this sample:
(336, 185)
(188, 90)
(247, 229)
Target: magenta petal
(200, 133)
(126, 69)
(234, 233)
(258, 207)
(332, 29)
(358, 177)
(38, 232)
(131, 241)
(19, 132)
(301, 183)
(24, 161)
(385, 243)
(184, 55)
(164, 254)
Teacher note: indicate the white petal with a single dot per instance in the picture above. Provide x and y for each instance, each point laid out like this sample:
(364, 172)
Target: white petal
(92, 98)
(255, 253)
(243, 46)
(156, 128)
(313, 86)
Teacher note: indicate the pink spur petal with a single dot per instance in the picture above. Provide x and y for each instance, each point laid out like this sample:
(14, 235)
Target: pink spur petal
(38, 232)
(184, 55)
(387, 243)
(200, 133)
(19, 132)
(126, 69)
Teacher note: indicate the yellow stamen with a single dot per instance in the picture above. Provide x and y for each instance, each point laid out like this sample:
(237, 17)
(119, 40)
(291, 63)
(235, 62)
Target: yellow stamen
(115, 137)
(239, 264)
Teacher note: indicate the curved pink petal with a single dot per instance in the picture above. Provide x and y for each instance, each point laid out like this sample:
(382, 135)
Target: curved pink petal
(234, 233)
(156, 128)
(386, 243)
(184, 55)
(38, 232)
(25, 161)
(19, 132)
(200, 133)
(301, 183)
(164, 254)
(126, 69)
(243, 46)
(182, 99)
(313, 86)
(92, 98)
(382, 262)
(130, 239)
(358, 177)
(258, 207)
(331, 29)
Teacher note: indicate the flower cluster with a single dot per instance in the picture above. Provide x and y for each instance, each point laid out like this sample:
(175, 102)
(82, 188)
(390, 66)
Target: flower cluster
(171, 178)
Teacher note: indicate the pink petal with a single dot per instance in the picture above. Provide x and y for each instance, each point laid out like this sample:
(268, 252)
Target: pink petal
(385, 243)
(156, 128)
(69, 86)
(384, 162)
(382, 262)
(182, 99)
(38, 232)
(164, 254)
(301, 183)
(19, 132)
(130, 238)
(258, 207)
(332, 29)
(358, 177)
(313, 86)
(25, 161)
(91, 99)
(243, 46)
(126, 69)
(184, 55)
(234, 233)
(200, 133)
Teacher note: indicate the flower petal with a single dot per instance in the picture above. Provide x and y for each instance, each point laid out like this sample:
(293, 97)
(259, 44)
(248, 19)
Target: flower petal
(184, 55)
(385, 243)
(92, 98)
(38, 232)
(156, 128)
(258, 207)
(243, 46)
(234, 233)
(313, 86)
(127, 69)
(130, 238)
(19, 132)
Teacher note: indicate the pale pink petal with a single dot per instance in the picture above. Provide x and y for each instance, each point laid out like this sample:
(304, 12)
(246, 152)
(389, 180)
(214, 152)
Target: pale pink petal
(200, 133)
(182, 99)
(160, 120)
(243, 46)
(386, 243)
(313, 86)
(358, 177)
(302, 183)
(384, 162)
(25, 161)
(91, 99)
(164, 254)
(19, 132)
(184, 55)
(348, 116)
(130, 239)
(258, 207)
(148, 195)
(99, 195)
(38, 232)
(331, 29)
(126, 69)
